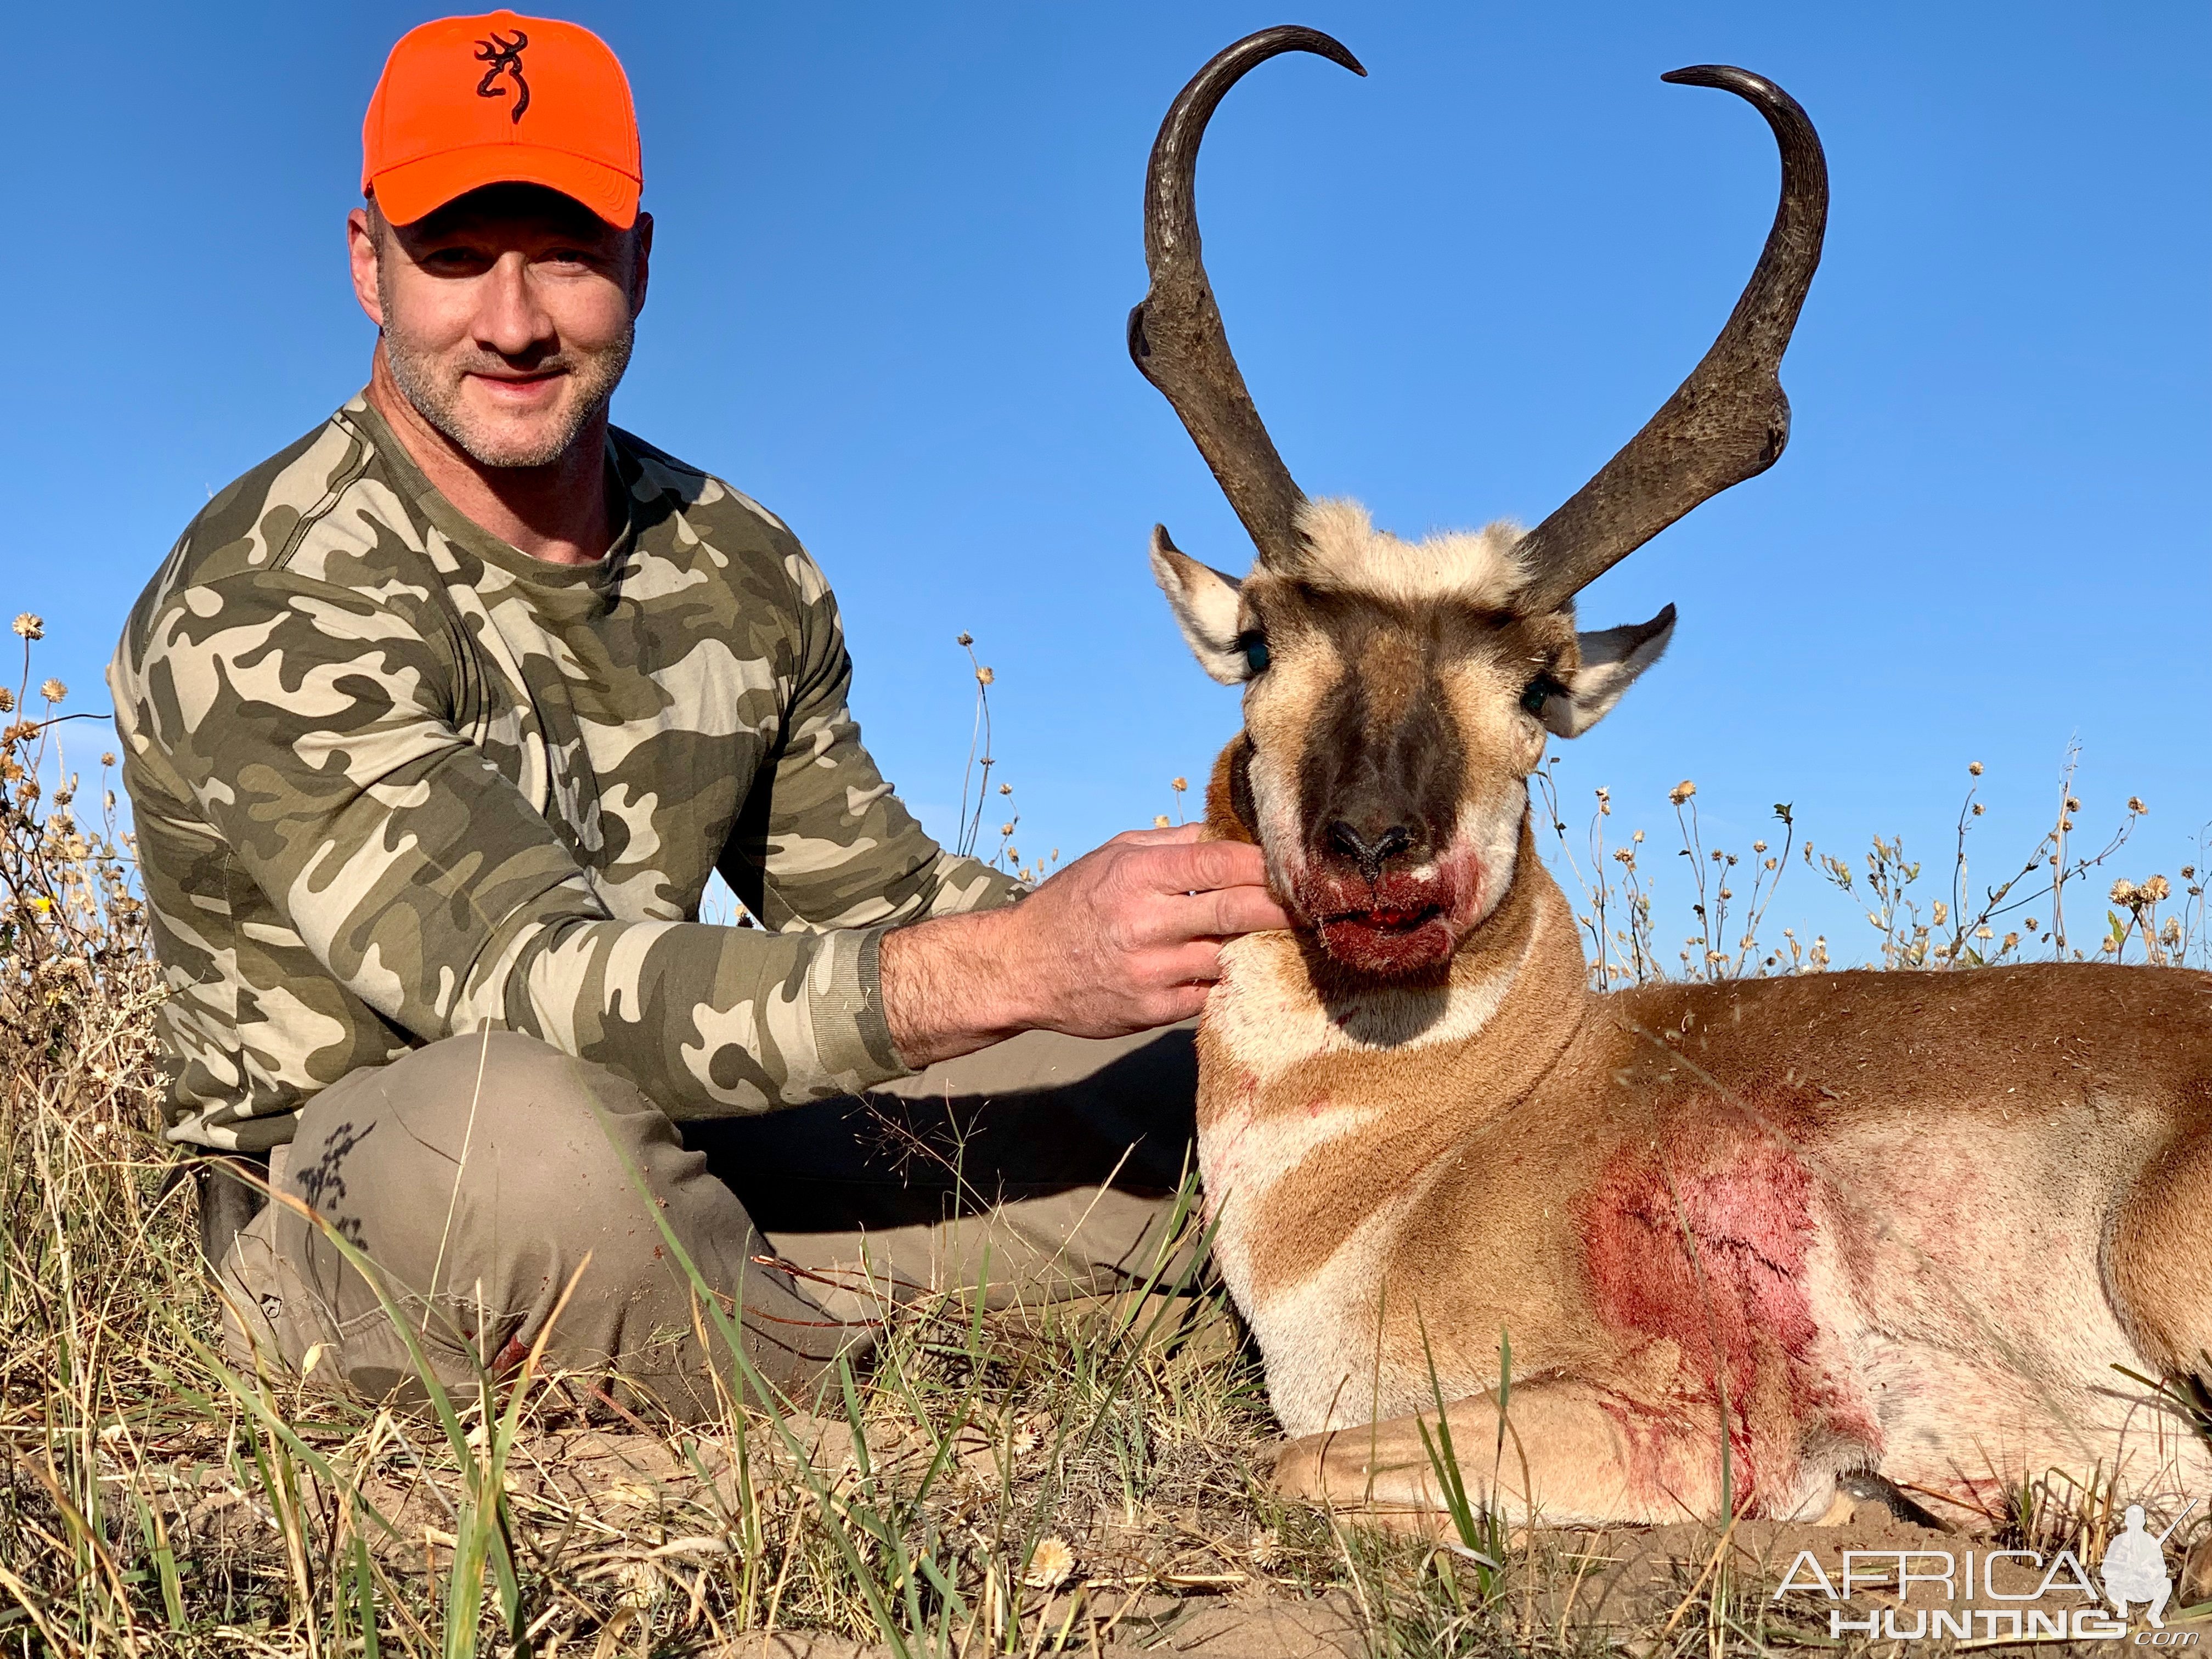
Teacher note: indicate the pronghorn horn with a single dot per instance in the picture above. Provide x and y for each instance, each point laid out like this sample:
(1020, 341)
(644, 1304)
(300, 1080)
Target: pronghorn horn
(1729, 420)
(1176, 336)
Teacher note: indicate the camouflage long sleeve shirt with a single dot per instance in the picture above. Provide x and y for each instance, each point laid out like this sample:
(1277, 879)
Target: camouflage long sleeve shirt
(394, 780)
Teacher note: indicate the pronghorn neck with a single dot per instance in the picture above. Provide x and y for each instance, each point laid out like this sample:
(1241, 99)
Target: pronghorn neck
(1320, 1117)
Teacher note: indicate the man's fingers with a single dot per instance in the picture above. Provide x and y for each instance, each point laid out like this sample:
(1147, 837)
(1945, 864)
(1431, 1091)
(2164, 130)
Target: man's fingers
(1188, 1002)
(1198, 866)
(1179, 835)
(1198, 962)
(1225, 912)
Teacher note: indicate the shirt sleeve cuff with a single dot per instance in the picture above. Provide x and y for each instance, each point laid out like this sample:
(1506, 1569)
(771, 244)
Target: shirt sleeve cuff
(851, 1033)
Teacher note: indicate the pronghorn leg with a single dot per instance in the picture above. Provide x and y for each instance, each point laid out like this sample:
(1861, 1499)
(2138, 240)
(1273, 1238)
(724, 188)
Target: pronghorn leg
(1573, 1455)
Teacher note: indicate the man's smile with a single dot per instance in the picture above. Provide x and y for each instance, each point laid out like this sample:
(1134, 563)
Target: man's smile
(521, 391)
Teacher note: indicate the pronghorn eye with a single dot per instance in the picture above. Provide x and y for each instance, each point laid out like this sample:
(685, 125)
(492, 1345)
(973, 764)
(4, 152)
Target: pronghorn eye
(1541, 687)
(1255, 646)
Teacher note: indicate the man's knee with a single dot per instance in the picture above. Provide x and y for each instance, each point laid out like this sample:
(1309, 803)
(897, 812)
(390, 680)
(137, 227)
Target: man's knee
(494, 1134)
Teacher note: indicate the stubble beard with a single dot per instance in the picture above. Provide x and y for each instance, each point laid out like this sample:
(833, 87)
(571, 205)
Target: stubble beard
(432, 383)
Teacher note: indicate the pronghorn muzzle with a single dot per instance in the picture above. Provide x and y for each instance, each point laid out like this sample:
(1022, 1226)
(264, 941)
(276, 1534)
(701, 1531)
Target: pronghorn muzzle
(1382, 883)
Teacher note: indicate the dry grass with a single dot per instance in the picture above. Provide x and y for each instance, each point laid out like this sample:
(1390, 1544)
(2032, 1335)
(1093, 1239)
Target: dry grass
(1080, 1478)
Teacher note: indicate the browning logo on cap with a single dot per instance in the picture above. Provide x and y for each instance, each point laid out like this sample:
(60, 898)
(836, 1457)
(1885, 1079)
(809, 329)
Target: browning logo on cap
(504, 57)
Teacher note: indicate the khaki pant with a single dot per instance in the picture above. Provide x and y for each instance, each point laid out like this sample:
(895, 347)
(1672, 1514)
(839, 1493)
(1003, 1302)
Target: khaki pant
(478, 1173)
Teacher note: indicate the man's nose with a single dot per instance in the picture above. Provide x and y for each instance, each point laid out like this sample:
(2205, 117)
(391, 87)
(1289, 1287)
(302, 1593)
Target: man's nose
(509, 320)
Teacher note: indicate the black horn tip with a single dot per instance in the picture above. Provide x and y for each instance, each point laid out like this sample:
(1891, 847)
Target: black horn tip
(1296, 37)
(1257, 48)
(1726, 75)
(1745, 83)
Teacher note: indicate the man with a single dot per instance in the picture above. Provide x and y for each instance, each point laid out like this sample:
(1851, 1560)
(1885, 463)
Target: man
(436, 725)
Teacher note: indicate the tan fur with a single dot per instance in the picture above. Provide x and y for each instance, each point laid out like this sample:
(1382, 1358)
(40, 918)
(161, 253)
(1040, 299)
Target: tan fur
(1344, 550)
(1899, 1221)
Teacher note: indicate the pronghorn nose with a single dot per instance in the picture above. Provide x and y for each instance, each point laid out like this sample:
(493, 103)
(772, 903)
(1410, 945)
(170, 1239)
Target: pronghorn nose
(1370, 855)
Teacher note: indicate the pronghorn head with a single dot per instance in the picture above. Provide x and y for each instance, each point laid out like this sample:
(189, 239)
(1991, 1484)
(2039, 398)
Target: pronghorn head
(1397, 694)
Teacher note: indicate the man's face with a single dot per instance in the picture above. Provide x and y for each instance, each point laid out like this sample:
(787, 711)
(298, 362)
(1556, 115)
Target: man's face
(507, 315)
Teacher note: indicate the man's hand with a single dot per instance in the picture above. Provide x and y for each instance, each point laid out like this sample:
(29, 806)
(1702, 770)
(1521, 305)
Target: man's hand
(1125, 939)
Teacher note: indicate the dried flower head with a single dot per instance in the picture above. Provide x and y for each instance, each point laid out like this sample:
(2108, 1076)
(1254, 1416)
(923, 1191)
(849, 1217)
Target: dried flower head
(29, 627)
(2124, 891)
(1682, 792)
(1161, 821)
(1052, 1562)
(1267, 1550)
(107, 758)
(1030, 1434)
(6, 701)
(1178, 784)
(52, 690)
(1973, 768)
(2157, 889)
(964, 639)
(985, 675)
(2136, 805)
(641, 1585)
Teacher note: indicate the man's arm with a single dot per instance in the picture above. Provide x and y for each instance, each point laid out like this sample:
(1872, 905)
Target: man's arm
(1125, 939)
(310, 725)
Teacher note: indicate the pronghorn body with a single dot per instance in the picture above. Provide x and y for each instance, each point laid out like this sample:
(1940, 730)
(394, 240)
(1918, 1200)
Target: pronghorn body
(1743, 1239)
(1869, 1221)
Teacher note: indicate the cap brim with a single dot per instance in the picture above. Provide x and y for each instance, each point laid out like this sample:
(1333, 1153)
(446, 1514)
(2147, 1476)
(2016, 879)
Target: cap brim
(414, 189)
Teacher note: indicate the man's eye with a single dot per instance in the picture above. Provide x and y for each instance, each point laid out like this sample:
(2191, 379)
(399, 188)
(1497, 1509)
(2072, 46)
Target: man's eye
(1255, 647)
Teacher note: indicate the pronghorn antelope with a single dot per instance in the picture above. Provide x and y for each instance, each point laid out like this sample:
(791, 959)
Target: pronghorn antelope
(1749, 1242)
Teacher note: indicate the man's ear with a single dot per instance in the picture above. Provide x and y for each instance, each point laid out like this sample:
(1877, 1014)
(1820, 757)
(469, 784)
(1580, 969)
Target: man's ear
(1205, 605)
(1612, 659)
(640, 262)
(361, 254)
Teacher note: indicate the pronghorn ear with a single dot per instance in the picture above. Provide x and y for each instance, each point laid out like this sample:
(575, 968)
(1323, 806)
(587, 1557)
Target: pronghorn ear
(1205, 605)
(1612, 659)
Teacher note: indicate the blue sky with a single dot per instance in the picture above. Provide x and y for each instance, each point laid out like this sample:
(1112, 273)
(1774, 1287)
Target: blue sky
(896, 245)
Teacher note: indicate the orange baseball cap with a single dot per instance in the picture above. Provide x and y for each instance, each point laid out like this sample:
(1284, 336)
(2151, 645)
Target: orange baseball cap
(501, 99)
